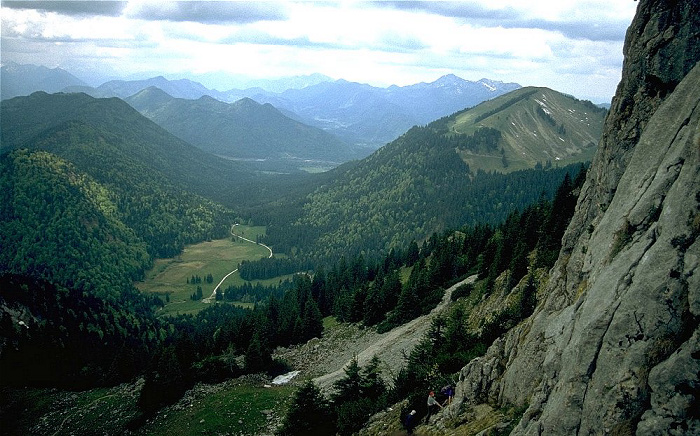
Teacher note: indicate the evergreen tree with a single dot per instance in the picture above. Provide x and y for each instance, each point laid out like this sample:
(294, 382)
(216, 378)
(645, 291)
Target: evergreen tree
(257, 357)
(390, 291)
(312, 322)
(374, 307)
(372, 384)
(407, 307)
(308, 414)
(320, 293)
(412, 253)
(165, 381)
(349, 388)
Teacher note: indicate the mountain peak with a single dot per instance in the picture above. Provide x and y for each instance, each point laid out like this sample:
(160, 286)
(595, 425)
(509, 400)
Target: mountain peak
(448, 80)
(246, 102)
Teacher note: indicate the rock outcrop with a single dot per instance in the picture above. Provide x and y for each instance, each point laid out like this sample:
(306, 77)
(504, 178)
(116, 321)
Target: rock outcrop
(614, 345)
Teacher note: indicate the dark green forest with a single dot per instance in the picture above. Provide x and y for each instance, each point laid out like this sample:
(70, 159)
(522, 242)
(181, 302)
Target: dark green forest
(407, 190)
(91, 193)
(175, 353)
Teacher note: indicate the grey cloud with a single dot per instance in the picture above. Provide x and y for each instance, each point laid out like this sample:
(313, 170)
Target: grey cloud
(510, 18)
(262, 38)
(76, 8)
(609, 31)
(212, 11)
(452, 9)
(388, 42)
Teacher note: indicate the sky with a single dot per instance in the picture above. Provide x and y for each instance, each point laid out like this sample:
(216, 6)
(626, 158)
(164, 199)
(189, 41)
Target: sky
(572, 46)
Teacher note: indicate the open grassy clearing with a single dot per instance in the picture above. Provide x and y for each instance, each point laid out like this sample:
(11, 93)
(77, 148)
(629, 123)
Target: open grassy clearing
(235, 407)
(218, 258)
(223, 409)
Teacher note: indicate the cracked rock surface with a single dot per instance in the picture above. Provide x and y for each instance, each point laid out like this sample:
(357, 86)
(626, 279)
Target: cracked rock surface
(614, 347)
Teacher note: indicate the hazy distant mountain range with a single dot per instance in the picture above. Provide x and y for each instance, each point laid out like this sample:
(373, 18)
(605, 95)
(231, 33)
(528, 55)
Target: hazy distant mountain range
(25, 79)
(243, 130)
(370, 117)
(361, 115)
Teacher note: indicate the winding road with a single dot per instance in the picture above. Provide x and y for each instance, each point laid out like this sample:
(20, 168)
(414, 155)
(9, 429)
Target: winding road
(212, 297)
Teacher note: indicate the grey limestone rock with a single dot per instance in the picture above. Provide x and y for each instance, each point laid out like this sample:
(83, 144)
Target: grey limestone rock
(613, 347)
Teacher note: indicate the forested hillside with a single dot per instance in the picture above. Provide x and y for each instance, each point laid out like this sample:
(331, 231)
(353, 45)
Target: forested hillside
(407, 190)
(93, 191)
(123, 142)
(241, 130)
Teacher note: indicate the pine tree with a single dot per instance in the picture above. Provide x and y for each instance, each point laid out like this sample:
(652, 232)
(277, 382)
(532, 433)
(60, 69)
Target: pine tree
(406, 307)
(309, 414)
(372, 384)
(312, 322)
(349, 388)
(257, 357)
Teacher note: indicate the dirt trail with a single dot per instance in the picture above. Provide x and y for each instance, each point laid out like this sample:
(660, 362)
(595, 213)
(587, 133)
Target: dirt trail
(391, 347)
(212, 297)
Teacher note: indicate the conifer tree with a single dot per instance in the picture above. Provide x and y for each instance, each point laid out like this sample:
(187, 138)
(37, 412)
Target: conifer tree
(309, 414)
(349, 388)
(257, 357)
(312, 322)
(372, 384)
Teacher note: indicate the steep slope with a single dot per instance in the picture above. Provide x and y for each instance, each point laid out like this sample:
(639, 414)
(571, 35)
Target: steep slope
(60, 225)
(141, 179)
(420, 183)
(390, 347)
(20, 80)
(536, 125)
(613, 344)
(241, 130)
(130, 137)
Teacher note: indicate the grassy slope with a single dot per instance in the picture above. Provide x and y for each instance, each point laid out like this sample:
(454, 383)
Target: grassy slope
(528, 137)
(241, 406)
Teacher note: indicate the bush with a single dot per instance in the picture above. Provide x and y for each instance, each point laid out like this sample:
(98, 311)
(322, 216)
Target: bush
(462, 291)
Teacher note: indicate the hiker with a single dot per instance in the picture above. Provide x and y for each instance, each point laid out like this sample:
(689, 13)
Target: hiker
(449, 391)
(410, 422)
(433, 405)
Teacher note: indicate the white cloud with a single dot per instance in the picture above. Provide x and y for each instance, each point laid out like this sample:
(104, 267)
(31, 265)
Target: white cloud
(561, 44)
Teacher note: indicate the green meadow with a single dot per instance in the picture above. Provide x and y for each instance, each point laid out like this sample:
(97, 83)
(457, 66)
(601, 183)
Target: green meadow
(170, 277)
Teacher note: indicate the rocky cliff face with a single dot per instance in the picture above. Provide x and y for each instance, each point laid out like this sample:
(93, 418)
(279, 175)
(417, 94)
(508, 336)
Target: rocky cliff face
(614, 344)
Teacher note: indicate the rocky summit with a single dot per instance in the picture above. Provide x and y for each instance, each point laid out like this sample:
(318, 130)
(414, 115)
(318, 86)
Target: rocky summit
(614, 345)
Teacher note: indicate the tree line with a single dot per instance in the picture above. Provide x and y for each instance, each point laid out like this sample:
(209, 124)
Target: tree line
(407, 190)
(525, 243)
(126, 340)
